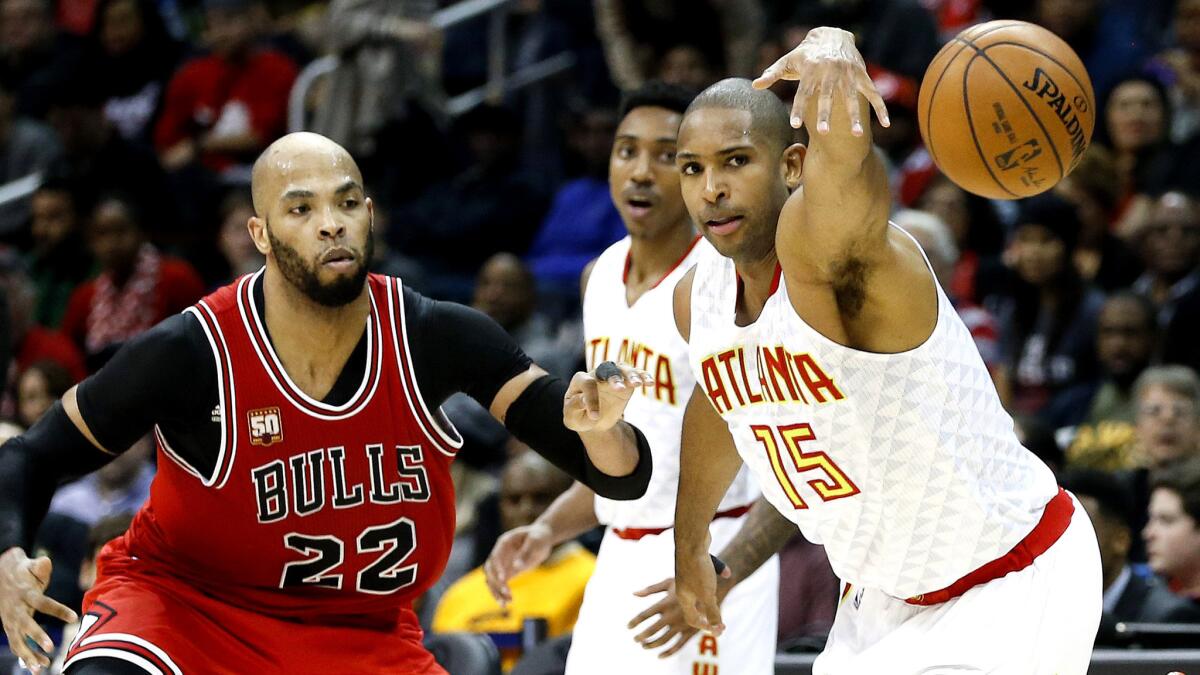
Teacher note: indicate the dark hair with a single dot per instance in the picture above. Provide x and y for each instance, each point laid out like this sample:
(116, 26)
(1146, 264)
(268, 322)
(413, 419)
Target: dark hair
(656, 94)
(105, 530)
(132, 206)
(58, 378)
(1160, 91)
(1182, 478)
(1114, 497)
(1149, 312)
(769, 116)
(1053, 213)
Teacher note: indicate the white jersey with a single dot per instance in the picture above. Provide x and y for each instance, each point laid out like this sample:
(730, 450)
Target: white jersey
(645, 336)
(904, 466)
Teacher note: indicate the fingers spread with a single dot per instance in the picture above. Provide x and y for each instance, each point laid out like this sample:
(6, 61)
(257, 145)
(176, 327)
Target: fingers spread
(661, 587)
(684, 636)
(51, 607)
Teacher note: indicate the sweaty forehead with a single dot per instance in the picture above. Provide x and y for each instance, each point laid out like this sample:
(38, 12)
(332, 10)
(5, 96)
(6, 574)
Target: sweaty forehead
(650, 123)
(709, 130)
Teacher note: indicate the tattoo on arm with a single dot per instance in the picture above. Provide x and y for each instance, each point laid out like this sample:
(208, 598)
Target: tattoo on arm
(763, 534)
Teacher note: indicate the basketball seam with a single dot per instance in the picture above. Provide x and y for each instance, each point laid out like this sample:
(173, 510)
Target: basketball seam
(933, 94)
(971, 123)
(1053, 148)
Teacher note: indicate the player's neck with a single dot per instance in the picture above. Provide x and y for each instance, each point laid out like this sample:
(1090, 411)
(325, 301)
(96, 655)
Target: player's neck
(650, 259)
(326, 330)
(757, 284)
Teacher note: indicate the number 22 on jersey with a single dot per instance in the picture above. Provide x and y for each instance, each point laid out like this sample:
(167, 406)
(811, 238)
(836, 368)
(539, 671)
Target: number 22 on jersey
(834, 484)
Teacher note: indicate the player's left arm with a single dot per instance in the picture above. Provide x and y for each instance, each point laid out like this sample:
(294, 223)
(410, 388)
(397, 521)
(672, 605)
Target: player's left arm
(457, 348)
(834, 229)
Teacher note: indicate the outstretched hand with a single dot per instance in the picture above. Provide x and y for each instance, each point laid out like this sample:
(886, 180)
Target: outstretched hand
(22, 593)
(828, 65)
(596, 401)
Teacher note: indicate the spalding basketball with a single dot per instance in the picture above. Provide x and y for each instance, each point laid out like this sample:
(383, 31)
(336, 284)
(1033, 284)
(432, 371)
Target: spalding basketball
(1006, 109)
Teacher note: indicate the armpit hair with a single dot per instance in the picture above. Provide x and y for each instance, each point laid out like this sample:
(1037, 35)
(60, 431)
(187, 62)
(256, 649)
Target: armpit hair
(850, 285)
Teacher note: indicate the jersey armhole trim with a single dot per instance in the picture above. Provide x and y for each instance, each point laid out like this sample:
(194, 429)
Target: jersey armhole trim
(226, 402)
(447, 440)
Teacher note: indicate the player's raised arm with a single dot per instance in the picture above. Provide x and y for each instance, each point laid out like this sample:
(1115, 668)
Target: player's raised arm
(838, 221)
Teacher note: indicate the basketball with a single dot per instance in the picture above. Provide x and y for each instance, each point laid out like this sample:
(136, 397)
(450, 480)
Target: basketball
(1006, 109)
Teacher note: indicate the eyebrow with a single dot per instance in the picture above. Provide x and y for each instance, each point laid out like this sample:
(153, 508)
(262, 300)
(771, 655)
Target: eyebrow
(301, 193)
(661, 139)
(723, 151)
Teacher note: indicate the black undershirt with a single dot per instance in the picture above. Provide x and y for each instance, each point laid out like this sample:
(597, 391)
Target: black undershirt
(167, 375)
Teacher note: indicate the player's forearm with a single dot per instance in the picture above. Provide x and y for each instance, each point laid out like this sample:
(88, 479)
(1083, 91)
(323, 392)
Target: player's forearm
(32, 466)
(708, 463)
(613, 451)
(572, 514)
(762, 535)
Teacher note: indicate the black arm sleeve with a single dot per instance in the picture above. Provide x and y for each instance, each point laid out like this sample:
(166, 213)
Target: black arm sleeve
(163, 376)
(33, 465)
(536, 417)
(456, 348)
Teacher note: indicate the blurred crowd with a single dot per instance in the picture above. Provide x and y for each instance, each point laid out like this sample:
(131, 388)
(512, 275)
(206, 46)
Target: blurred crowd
(128, 127)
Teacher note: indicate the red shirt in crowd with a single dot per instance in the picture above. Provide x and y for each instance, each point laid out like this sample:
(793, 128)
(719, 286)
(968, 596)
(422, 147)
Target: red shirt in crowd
(44, 344)
(210, 91)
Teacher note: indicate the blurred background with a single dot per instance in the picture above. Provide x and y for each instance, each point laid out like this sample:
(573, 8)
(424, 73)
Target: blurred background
(484, 127)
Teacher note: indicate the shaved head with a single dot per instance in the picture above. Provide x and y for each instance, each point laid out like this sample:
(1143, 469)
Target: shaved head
(299, 151)
(768, 115)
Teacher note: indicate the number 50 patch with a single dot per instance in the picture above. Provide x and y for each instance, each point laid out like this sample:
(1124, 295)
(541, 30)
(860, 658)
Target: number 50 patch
(266, 428)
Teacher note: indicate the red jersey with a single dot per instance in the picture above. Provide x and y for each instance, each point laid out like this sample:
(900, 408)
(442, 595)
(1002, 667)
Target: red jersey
(315, 514)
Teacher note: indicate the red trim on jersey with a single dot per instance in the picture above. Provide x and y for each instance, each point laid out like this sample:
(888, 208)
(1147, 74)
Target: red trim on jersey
(635, 533)
(433, 431)
(741, 285)
(1055, 519)
(270, 360)
(629, 263)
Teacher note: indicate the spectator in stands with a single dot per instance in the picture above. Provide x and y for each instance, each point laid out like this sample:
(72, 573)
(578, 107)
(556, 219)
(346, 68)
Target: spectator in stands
(1173, 533)
(1168, 415)
(1180, 64)
(1107, 36)
(59, 261)
(99, 534)
(637, 34)
(1048, 317)
(899, 35)
(28, 341)
(686, 65)
(235, 243)
(553, 591)
(1171, 249)
(1099, 414)
(99, 160)
(33, 55)
(976, 229)
(38, 387)
(1134, 127)
(505, 291)
(937, 242)
(582, 220)
(492, 205)
(386, 91)
(27, 149)
(134, 56)
(138, 286)
(1102, 259)
(1130, 594)
(121, 486)
(224, 108)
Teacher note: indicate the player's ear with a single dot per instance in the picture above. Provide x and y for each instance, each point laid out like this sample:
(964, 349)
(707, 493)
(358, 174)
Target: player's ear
(793, 165)
(258, 232)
